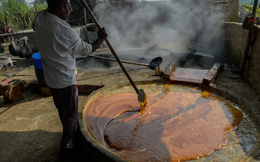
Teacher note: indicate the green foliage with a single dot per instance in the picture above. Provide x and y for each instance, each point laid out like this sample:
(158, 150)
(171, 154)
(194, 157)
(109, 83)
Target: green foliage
(39, 1)
(249, 8)
(20, 15)
(246, 2)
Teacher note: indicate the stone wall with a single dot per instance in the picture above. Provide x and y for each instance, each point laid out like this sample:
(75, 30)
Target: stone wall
(233, 10)
(235, 45)
(254, 64)
(235, 40)
(230, 8)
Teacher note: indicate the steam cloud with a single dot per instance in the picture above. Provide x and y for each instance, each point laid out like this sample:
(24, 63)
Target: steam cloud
(175, 24)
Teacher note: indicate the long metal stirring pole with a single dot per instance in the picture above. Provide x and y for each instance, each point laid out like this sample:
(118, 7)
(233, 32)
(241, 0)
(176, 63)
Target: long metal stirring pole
(109, 45)
(122, 61)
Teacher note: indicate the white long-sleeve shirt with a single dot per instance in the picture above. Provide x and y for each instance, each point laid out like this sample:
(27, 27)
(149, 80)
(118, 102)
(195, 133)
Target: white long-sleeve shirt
(58, 45)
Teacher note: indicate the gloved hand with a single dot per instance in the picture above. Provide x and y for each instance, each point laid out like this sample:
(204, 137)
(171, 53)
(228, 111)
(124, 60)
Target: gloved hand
(102, 34)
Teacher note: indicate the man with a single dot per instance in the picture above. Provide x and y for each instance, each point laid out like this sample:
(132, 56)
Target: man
(59, 44)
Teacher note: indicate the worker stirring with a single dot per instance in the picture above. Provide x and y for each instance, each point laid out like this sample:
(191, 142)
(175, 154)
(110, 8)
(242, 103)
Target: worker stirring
(59, 44)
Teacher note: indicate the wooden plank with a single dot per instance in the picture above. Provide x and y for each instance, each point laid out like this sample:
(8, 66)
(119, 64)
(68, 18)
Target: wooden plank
(188, 75)
(212, 74)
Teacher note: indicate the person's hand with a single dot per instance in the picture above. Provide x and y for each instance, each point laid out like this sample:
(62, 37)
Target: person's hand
(102, 34)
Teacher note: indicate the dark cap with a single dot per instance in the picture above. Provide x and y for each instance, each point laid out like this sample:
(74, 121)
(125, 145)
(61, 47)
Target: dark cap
(53, 4)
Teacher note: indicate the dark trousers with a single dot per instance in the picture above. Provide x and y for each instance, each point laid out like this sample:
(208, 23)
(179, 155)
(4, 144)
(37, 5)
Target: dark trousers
(66, 101)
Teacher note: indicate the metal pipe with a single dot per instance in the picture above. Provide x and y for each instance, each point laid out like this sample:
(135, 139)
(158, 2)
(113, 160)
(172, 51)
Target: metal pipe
(17, 33)
(255, 8)
(114, 60)
(85, 16)
(28, 32)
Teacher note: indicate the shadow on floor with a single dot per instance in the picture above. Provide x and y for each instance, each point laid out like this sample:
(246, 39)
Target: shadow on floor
(42, 146)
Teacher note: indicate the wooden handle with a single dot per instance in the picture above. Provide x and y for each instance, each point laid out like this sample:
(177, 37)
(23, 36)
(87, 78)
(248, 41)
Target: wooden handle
(109, 45)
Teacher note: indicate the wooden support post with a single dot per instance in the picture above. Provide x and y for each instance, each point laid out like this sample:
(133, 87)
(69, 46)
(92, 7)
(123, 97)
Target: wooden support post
(212, 74)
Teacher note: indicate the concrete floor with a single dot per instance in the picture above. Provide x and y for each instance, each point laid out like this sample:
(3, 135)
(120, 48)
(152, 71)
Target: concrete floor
(30, 129)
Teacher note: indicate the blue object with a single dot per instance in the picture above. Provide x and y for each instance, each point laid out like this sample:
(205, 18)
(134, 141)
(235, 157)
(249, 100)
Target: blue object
(2, 50)
(37, 61)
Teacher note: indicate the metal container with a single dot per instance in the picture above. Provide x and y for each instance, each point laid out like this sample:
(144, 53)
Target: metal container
(242, 154)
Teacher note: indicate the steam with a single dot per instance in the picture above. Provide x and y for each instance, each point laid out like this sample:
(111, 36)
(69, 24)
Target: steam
(176, 25)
